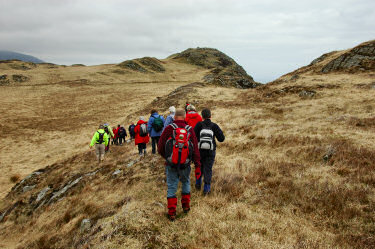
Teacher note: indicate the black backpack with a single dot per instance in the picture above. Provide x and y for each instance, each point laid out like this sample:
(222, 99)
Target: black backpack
(121, 132)
(101, 138)
(131, 130)
(106, 129)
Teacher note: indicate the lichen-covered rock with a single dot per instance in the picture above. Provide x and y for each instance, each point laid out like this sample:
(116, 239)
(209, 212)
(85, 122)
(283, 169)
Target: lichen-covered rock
(4, 79)
(307, 94)
(85, 225)
(20, 78)
(360, 58)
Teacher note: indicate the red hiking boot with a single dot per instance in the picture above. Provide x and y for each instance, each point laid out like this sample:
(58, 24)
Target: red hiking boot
(172, 204)
(185, 201)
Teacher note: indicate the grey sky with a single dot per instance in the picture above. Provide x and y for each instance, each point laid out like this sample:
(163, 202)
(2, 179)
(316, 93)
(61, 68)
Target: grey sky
(268, 38)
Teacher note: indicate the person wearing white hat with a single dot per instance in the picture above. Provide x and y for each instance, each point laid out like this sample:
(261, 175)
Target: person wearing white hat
(169, 120)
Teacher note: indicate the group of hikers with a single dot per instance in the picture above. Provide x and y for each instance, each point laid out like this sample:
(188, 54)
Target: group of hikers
(181, 138)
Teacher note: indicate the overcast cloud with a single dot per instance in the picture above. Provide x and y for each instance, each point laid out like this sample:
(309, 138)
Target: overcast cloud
(268, 38)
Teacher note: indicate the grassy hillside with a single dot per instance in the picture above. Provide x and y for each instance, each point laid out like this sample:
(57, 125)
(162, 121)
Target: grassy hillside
(296, 169)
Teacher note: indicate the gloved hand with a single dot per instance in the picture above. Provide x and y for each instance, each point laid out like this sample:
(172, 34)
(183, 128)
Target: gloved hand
(198, 172)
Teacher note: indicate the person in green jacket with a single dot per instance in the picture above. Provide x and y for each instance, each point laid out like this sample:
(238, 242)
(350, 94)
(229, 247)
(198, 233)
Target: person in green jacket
(108, 130)
(100, 139)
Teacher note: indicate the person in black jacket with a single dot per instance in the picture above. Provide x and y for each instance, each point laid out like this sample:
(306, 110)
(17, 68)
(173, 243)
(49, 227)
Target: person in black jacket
(207, 132)
(121, 133)
(131, 131)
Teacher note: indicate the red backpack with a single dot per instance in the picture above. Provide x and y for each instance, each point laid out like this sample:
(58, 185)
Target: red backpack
(178, 148)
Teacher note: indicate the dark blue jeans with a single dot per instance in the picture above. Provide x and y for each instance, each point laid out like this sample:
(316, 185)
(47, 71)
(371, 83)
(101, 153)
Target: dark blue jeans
(207, 162)
(175, 175)
(155, 141)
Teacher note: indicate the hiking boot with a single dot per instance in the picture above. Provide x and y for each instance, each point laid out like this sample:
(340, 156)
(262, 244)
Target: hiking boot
(185, 201)
(171, 217)
(206, 189)
(172, 204)
(198, 187)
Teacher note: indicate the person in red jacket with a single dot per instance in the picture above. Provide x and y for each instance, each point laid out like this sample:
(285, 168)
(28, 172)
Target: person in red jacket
(141, 137)
(192, 117)
(179, 173)
(115, 132)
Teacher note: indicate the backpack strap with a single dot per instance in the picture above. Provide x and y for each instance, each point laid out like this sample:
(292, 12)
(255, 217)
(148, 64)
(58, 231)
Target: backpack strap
(188, 128)
(174, 126)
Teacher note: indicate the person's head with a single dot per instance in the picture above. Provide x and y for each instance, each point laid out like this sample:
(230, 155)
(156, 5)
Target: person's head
(191, 108)
(153, 111)
(118, 125)
(132, 123)
(180, 114)
(206, 113)
(142, 118)
(172, 109)
(101, 126)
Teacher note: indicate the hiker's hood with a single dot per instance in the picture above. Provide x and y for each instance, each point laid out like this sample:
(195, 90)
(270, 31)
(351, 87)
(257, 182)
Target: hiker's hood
(193, 115)
(141, 122)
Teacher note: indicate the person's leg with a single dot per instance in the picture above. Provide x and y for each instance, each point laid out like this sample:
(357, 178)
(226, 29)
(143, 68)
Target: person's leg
(101, 151)
(153, 139)
(97, 152)
(107, 147)
(144, 148)
(184, 176)
(140, 149)
(198, 182)
(172, 184)
(157, 141)
(207, 172)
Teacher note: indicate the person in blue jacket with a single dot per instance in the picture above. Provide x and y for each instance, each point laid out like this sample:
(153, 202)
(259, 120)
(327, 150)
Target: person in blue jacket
(169, 120)
(155, 128)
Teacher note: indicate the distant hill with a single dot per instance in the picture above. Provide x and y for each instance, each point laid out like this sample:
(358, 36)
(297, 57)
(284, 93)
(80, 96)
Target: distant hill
(9, 55)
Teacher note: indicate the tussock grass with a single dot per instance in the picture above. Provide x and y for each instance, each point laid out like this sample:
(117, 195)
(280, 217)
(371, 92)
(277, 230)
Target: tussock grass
(292, 173)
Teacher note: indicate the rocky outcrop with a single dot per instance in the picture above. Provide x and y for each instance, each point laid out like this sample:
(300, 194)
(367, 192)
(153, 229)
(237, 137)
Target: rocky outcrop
(225, 71)
(152, 63)
(360, 58)
(143, 65)
(20, 78)
(132, 65)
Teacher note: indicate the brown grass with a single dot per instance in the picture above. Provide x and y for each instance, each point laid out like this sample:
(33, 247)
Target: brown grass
(272, 186)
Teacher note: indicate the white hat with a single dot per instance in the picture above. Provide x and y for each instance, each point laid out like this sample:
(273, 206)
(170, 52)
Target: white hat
(172, 109)
(142, 118)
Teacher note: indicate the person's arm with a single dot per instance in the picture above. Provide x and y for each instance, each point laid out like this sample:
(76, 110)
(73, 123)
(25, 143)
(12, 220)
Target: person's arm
(196, 155)
(149, 125)
(93, 140)
(105, 137)
(126, 134)
(219, 134)
(197, 130)
(110, 131)
(163, 139)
